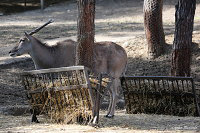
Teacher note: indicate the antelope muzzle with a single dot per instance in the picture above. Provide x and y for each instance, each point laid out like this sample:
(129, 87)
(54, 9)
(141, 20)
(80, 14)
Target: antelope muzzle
(13, 52)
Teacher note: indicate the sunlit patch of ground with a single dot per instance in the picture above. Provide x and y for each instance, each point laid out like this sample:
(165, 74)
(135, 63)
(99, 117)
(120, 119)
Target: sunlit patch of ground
(122, 123)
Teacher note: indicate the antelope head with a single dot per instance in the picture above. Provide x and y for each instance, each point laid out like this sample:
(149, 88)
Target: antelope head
(24, 45)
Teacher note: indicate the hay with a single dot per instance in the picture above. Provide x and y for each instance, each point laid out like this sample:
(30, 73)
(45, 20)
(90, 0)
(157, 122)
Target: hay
(63, 106)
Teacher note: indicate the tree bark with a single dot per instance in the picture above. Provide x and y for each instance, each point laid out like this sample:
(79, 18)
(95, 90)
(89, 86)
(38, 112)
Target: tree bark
(154, 27)
(86, 15)
(184, 20)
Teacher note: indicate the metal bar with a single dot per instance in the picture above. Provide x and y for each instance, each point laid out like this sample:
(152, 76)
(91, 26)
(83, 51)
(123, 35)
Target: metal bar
(83, 80)
(159, 87)
(168, 84)
(126, 92)
(173, 88)
(177, 85)
(187, 84)
(182, 81)
(154, 86)
(85, 71)
(76, 77)
(97, 102)
(63, 88)
(189, 94)
(144, 84)
(163, 84)
(65, 79)
(196, 99)
(91, 96)
(139, 84)
(52, 79)
(25, 82)
(130, 83)
(158, 77)
(60, 78)
(50, 70)
(149, 83)
(68, 79)
(34, 82)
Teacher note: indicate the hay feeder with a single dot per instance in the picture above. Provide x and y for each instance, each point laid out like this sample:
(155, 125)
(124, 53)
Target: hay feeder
(161, 95)
(63, 94)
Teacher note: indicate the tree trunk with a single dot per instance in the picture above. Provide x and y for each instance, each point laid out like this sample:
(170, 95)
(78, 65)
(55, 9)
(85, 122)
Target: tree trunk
(86, 15)
(181, 56)
(42, 4)
(154, 27)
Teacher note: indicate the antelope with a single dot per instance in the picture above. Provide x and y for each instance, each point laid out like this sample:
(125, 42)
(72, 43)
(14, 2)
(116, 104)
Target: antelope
(109, 58)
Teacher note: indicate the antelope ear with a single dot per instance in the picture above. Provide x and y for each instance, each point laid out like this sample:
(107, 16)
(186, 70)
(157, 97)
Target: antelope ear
(29, 37)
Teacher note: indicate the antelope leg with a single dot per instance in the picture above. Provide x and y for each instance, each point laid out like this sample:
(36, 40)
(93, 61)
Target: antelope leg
(114, 98)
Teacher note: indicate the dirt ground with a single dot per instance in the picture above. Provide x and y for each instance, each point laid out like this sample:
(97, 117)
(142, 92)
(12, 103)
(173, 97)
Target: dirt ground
(116, 20)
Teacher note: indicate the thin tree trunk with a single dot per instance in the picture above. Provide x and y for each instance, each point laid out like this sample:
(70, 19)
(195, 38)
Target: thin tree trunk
(42, 4)
(86, 15)
(181, 56)
(154, 27)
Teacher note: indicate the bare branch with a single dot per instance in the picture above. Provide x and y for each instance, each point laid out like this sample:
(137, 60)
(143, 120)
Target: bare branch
(39, 28)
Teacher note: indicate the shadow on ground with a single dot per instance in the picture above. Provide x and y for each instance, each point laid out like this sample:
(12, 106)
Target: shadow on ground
(13, 6)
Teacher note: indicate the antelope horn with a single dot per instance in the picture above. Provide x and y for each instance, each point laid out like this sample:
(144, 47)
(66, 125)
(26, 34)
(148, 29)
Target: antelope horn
(39, 28)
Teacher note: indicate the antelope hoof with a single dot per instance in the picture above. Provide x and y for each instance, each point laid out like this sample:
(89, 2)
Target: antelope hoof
(109, 116)
(34, 119)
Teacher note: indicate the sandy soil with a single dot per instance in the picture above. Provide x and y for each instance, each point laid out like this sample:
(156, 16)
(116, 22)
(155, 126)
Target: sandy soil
(122, 123)
(117, 21)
